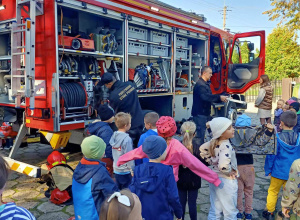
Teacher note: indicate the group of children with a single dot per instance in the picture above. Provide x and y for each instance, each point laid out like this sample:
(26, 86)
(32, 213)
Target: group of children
(166, 174)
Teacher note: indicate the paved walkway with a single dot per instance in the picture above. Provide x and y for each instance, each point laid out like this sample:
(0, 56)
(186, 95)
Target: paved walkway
(28, 193)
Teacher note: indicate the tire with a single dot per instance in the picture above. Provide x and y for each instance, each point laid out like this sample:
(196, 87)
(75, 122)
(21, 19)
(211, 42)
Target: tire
(231, 112)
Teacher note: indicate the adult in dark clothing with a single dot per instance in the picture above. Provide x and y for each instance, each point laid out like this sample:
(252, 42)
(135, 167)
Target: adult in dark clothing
(202, 100)
(123, 98)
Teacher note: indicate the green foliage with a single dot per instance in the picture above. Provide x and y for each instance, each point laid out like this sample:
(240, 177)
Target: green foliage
(235, 55)
(282, 54)
(288, 11)
(244, 52)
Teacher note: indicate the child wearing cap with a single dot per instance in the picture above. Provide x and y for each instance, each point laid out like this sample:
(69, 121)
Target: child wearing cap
(10, 210)
(122, 143)
(91, 180)
(103, 130)
(150, 120)
(219, 153)
(177, 154)
(154, 183)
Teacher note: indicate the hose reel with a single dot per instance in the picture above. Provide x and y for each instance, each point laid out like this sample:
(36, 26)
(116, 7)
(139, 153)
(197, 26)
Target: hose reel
(73, 100)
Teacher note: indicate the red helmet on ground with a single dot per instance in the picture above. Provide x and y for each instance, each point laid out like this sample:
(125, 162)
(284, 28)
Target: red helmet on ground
(54, 159)
(58, 197)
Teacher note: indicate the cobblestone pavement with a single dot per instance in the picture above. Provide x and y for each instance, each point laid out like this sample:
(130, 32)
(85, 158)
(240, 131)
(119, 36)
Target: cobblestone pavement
(28, 193)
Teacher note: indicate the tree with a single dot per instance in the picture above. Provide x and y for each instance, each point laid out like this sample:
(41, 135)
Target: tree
(244, 52)
(288, 11)
(282, 54)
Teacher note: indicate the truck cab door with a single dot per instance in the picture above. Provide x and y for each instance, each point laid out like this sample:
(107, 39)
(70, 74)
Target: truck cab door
(246, 61)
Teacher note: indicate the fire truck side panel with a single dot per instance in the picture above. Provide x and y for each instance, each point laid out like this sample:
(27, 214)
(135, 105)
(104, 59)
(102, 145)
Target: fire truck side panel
(45, 65)
(9, 12)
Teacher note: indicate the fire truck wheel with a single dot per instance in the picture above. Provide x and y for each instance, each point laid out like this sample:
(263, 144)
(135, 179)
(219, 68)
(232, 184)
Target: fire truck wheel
(231, 112)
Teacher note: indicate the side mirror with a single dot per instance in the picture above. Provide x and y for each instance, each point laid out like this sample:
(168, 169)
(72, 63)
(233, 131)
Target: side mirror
(250, 46)
(251, 57)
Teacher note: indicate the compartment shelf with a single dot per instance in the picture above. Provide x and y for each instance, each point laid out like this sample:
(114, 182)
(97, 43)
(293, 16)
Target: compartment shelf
(150, 56)
(8, 57)
(94, 54)
(151, 90)
(183, 59)
(193, 67)
(149, 42)
(183, 48)
(154, 94)
(76, 77)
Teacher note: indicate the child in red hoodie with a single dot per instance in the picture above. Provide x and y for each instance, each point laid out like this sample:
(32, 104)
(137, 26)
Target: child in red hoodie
(177, 154)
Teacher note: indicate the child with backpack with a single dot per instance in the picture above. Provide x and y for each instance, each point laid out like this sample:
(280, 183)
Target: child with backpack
(154, 183)
(10, 210)
(103, 130)
(91, 180)
(189, 183)
(177, 154)
(277, 166)
(245, 166)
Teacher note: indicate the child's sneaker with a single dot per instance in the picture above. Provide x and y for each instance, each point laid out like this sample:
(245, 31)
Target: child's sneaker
(248, 216)
(240, 216)
(268, 215)
(280, 216)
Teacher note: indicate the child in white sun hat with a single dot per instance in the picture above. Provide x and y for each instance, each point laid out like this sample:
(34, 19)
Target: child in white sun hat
(221, 156)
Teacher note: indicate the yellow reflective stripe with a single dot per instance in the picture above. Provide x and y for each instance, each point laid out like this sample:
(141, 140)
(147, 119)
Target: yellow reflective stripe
(27, 170)
(55, 163)
(15, 166)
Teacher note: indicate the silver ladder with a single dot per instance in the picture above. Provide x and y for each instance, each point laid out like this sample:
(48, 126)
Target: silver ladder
(23, 51)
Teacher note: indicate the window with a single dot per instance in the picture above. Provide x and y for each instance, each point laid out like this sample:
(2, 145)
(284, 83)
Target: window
(226, 48)
(246, 50)
(215, 54)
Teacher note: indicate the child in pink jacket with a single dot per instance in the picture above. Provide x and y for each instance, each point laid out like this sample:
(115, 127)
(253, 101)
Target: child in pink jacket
(177, 154)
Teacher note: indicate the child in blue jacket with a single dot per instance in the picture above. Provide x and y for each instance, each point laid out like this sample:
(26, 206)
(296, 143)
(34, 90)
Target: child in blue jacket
(150, 120)
(91, 181)
(154, 183)
(278, 166)
(103, 130)
(295, 106)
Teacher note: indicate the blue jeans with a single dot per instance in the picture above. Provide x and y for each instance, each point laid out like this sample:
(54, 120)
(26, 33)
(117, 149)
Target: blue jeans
(191, 197)
(223, 200)
(200, 121)
(123, 181)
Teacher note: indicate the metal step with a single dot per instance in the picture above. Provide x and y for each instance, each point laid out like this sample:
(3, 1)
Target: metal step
(18, 76)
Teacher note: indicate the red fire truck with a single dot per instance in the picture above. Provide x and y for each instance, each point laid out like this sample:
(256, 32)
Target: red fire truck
(53, 53)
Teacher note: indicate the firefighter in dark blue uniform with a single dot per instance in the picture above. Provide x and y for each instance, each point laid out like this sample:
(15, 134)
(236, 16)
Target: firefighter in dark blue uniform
(202, 100)
(123, 98)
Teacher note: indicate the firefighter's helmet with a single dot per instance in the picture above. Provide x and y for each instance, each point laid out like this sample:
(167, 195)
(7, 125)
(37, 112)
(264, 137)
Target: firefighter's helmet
(54, 159)
(58, 197)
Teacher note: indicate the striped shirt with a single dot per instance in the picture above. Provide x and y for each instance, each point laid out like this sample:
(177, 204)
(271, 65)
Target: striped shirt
(13, 212)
